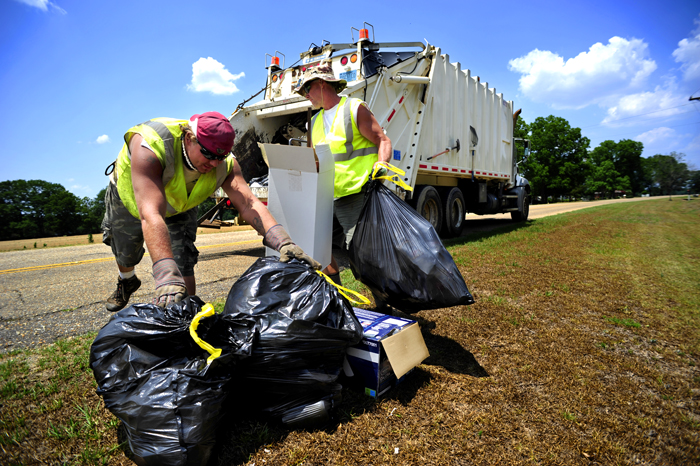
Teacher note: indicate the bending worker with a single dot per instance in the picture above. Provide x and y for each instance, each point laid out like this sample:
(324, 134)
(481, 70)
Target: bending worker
(166, 168)
(356, 141)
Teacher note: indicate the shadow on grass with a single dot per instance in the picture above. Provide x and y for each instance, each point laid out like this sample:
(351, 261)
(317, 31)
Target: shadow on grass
(476, 230)
(445, 352)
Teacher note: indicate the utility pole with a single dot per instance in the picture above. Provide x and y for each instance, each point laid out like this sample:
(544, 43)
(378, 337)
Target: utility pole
(694, 98)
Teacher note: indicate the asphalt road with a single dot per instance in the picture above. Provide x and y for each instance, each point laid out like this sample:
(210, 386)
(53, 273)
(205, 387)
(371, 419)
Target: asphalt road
(47, 294)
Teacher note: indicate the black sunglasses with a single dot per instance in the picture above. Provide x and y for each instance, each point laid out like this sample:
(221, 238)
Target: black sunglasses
(210, 155)
(307, 87)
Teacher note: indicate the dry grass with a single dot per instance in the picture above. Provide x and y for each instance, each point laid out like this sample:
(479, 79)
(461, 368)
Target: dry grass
(582, 348)
(60, 241)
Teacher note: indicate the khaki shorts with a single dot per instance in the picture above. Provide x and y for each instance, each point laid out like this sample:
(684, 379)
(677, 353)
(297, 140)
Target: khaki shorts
(122, 232)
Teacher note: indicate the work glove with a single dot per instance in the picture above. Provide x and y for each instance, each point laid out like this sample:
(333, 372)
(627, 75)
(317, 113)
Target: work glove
(170, 286)
(380, 170)
(278, 239)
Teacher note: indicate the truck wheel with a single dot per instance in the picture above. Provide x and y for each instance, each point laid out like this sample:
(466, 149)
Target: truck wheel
(429, 206)
(523, 207)
(455, 211)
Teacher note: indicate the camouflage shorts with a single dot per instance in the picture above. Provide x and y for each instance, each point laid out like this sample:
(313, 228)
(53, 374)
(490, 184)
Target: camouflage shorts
(346, 211)
(122, 232)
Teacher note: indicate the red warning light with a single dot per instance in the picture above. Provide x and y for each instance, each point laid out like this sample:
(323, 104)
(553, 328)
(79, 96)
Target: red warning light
(344, 61)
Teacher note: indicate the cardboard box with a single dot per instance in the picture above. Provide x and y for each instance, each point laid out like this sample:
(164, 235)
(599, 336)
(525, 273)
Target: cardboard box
(300, 195)
(390, 348)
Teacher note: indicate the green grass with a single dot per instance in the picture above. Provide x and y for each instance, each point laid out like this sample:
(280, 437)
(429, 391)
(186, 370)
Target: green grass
(626, 322)
(48, 397)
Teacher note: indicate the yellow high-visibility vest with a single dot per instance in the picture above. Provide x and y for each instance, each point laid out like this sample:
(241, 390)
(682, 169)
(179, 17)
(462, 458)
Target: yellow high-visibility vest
(164, 137)
(353, 153)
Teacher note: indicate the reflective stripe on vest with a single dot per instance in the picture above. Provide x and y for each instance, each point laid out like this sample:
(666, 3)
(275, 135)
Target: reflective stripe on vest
(163, 135)
(354, 155)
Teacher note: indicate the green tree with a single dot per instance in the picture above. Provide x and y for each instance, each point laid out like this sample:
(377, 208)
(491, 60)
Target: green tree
(556, 165)
(647, 179)
(626, 157)
(10, 211)
(694, 181)
(604, 179)
(669, 172)
(92, 211)
(37, 208)
(521, 130)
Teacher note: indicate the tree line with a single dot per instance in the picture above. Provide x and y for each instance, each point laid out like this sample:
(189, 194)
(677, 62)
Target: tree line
(562, 165)
(39, 209)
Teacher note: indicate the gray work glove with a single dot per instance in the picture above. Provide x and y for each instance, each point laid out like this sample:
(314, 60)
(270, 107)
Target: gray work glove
(170, 286)
(278, 239)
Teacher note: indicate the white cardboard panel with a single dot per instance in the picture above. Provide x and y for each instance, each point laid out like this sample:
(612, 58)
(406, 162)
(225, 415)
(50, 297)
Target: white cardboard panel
(300, 197)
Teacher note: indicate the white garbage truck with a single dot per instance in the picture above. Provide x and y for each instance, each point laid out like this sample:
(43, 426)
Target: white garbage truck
(451, 134)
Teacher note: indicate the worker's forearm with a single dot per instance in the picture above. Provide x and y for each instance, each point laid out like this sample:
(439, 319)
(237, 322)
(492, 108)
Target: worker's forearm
(384, 151)
(256, 214)
(157, 238)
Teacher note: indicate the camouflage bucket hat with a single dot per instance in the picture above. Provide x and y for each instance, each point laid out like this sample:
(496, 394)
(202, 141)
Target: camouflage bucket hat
(324, 71)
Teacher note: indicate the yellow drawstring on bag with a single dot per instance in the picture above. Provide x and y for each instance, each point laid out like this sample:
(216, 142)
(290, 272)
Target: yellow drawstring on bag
(342, 290)
(207, 310)
(393, 178)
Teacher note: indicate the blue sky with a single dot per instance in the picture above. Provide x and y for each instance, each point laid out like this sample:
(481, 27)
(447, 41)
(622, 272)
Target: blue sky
(75, 75)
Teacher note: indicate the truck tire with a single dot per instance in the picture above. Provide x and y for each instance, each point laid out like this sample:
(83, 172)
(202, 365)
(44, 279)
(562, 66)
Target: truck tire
(428, 204)
(523, 206)
(455, 211)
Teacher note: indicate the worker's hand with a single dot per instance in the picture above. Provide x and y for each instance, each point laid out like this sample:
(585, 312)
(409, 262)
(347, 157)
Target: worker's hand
(380, 170)
(278, 239)
(170, 286)
(292, 251)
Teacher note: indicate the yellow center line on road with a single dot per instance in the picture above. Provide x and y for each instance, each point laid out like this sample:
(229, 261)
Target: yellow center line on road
(105, 259)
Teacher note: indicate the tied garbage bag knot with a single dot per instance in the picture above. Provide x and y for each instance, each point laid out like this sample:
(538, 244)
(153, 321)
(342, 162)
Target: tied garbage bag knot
(346, 291)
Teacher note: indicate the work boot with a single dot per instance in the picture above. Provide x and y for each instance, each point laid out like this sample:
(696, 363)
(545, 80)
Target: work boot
(125, 288)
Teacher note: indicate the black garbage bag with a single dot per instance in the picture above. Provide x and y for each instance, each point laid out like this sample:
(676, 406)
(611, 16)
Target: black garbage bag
(398, 255)
(303, 328)
(157, 380)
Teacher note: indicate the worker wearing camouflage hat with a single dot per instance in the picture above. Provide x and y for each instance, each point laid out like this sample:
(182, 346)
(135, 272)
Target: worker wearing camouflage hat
(356, 140)
(166, 168)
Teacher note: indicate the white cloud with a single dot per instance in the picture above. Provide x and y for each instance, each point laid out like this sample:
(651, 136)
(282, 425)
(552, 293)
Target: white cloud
(591, 77)
(208, 75)
(102, 139)
(43, 5)
(656, 136)
(688, 54)
(79, 188)
(661, 103)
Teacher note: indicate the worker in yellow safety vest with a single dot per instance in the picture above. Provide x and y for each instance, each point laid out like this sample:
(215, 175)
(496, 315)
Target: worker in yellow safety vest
(166, 168)
(356, 140)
